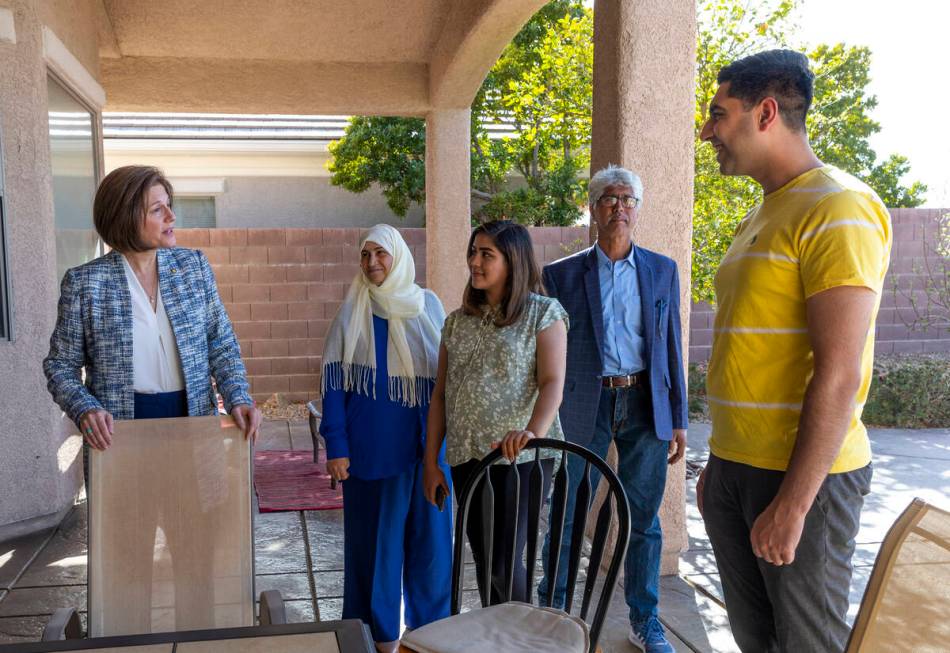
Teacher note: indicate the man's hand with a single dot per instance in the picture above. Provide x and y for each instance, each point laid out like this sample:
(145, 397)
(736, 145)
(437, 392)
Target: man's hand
(338, 468)
(776, 534)
(248, 419)
(677, 446)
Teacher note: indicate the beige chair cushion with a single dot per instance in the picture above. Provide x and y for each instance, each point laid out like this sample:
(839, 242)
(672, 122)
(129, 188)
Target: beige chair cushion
(512, 627)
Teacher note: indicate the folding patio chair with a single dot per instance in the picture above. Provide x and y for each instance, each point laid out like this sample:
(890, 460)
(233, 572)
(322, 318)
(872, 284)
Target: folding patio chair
(906, 604)
(171, 533)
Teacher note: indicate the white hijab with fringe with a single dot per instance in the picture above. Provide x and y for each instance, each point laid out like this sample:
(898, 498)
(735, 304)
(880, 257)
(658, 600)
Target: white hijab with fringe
(412, 353)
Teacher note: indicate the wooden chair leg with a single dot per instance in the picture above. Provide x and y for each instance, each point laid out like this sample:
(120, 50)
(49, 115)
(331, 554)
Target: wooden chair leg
(63, 624)
(272, 608)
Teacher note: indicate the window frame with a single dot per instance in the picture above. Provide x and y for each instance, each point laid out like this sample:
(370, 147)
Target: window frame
(6, 288)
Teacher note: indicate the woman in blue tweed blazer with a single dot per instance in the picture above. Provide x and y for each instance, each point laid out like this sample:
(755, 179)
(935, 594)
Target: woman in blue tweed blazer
(164, 296)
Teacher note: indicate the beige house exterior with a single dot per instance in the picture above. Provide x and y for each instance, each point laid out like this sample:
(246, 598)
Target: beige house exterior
(62, 62)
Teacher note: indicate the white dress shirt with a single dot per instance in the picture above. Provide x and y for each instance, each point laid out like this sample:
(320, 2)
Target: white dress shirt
(156, 366)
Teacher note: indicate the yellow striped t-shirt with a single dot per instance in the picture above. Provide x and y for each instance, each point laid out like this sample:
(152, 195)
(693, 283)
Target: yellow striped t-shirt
(821, 230)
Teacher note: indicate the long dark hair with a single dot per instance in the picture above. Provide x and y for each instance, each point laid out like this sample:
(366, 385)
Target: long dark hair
(524, 276)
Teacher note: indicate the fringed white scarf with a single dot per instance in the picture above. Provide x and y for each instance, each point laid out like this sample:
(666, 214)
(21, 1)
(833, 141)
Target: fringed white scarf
(412, 353)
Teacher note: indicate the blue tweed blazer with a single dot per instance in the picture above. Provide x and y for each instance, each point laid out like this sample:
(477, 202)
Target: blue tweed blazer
(94, 331)
(575, 282)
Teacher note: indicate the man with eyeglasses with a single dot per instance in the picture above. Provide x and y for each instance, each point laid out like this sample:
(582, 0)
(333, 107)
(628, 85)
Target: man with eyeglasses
(624, 383)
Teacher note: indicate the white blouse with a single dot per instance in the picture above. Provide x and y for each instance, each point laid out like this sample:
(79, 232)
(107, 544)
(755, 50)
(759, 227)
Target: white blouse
(156, 365)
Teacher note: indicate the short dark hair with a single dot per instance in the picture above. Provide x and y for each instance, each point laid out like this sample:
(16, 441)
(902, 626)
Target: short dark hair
(781, 74)
(119, 209)
(524, 276)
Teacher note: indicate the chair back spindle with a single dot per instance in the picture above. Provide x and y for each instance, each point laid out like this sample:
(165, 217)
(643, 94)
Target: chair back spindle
(535, 503)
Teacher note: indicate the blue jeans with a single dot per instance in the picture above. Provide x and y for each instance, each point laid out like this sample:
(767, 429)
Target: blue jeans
(624, 416)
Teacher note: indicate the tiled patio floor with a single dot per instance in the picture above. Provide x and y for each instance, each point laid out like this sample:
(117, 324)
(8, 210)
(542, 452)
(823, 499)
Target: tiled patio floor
(301, 553)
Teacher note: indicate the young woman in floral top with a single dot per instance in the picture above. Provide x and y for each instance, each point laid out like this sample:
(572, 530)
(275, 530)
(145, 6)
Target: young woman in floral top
(499, 384)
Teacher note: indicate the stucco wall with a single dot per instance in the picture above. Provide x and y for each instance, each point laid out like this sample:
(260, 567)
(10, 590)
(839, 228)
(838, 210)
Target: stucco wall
(304, 202)
(39, 472)
(74, 22)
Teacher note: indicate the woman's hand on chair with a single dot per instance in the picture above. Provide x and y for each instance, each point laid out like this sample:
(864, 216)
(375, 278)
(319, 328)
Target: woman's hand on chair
(248, 418)
(96, 426)
(338, 468)
(432, 478)
(513, 443)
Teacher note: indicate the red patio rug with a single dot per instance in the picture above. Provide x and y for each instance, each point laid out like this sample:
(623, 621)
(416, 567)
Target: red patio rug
(290, 480)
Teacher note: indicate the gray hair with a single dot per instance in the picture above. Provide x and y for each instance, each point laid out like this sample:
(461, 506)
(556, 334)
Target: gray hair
(613, 176)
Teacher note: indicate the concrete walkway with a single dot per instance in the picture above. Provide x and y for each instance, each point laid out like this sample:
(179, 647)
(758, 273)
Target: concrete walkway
(301, 553)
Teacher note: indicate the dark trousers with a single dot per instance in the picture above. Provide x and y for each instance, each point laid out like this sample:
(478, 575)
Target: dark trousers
(504, 526)
(799, 607)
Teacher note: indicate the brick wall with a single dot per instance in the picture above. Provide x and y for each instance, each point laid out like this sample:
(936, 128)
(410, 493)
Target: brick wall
(281, 288)
(912, 230)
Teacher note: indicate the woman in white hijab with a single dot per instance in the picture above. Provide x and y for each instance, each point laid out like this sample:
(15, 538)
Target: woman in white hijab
(379, 367)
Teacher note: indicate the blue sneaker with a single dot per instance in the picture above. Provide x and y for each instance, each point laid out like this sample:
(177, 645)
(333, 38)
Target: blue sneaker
(649, 637)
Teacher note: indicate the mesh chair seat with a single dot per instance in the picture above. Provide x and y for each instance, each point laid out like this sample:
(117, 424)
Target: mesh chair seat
(906, 605)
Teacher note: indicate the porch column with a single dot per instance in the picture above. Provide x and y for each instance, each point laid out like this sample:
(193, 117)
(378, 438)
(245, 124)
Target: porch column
(644, 60)
(448, 203)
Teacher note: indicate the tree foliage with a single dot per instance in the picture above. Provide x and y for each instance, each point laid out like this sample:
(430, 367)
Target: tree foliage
(542, 86)
(839, 123)
(387, 151)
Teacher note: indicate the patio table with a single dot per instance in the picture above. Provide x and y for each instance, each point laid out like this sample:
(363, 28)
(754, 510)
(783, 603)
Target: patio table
(343, 636)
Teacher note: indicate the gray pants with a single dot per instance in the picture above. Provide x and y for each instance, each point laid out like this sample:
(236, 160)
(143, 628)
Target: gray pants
(799, 607)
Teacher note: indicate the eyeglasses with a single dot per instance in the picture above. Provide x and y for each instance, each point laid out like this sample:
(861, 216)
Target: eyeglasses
(627, 201)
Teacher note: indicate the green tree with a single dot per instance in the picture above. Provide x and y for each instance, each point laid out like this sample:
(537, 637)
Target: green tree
(839, 123)
(541, 85)
(387, 151)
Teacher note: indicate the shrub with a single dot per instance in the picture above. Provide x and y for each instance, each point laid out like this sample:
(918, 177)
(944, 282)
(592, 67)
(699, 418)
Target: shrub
(906, 392)
(909, 392)
(696, 392)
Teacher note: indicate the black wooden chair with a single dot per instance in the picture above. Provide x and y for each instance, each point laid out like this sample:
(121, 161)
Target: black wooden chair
(616, 503)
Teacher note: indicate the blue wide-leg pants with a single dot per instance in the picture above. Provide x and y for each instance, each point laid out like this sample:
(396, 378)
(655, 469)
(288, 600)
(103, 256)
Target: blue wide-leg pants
(395, 544)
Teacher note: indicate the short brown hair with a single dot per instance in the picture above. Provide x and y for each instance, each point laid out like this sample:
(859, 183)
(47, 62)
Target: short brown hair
(524, 277)
(118, 211)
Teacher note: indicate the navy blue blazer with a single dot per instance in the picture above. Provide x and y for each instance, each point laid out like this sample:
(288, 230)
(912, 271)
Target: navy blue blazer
(575, 282)
(94, 331)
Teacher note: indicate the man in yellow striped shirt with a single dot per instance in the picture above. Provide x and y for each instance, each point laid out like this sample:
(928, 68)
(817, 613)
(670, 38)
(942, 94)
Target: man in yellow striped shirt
(797, 294)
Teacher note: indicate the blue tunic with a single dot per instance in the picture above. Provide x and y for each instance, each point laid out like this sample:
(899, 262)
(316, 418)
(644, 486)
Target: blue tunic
(381, 437)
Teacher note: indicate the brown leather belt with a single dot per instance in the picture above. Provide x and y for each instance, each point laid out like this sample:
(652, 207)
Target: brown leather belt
(626, 381)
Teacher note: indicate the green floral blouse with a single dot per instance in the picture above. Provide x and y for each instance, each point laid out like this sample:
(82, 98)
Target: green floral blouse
(491, 378)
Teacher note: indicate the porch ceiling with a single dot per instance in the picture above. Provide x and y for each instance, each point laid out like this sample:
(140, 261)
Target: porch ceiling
(355, 31)
(400, 57)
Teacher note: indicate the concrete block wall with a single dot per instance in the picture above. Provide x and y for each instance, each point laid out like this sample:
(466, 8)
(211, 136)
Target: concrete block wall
(915, 236)
(282, 287)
